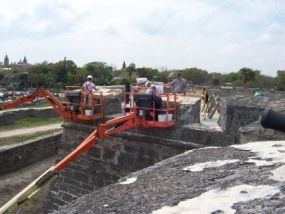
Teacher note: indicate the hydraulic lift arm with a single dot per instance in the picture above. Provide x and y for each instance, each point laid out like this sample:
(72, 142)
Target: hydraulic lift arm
(114, 126)
(41, 92)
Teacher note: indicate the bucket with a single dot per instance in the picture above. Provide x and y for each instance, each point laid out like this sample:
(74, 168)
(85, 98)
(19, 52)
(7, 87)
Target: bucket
(169, 117)
(88, 112)
(141, 113)
(162, 117)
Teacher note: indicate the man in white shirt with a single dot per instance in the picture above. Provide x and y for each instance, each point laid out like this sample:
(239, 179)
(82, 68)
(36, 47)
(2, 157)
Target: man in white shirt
(88, 87)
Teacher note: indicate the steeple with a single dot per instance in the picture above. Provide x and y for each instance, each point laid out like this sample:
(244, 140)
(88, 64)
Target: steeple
(6, 61)
(124, 65)
(25, 60)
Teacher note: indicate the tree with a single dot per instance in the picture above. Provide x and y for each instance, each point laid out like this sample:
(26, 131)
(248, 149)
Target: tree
(194, 75)
(40, 75)
(100, 71)
(124, 65)
(131, 70)
(149, 73)
(247, 74)
(280, 79)
(23, 80)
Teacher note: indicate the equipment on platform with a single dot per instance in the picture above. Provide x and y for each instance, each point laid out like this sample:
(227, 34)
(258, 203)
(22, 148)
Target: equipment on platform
(137, 107)
(258, 92)
(273, 120)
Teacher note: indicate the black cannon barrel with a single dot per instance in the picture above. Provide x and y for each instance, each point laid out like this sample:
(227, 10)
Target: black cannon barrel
(273, 120)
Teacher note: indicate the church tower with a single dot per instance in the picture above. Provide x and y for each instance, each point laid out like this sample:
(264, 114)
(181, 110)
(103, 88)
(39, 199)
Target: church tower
(25, 60)
(6, 61)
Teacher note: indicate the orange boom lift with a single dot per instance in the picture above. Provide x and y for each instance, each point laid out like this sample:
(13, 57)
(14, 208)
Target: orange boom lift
(72, 105)
(139, 111)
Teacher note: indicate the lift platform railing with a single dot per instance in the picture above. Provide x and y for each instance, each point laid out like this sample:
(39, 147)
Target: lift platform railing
(156, 110)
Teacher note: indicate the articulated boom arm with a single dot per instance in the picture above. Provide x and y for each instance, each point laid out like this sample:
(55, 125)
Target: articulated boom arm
(110, 127)
(41, 92)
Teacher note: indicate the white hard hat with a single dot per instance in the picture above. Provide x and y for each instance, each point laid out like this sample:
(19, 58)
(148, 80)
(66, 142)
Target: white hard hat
(89, 77)
(147, 83)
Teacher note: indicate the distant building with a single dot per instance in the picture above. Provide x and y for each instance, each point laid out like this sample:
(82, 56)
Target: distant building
(22, 65)
(6, 61)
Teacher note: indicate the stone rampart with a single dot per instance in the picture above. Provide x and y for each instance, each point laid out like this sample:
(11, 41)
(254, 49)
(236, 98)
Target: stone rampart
(9, 116)
(17, 156)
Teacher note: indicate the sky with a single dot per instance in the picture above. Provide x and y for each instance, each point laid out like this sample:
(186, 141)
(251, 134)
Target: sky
(216, 35)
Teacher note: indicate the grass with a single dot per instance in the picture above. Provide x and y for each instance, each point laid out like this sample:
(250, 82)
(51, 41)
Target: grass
(21, 138)
(31, 122)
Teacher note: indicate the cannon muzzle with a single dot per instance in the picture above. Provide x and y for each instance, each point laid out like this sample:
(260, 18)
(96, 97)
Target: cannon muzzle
(273, 120)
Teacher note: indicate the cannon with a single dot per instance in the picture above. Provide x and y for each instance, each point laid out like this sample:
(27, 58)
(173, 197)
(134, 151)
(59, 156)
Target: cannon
(273, 120)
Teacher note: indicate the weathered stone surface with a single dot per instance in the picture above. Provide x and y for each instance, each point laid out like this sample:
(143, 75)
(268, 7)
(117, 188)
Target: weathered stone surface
(209, 180)
(255, 132)
(188, 110)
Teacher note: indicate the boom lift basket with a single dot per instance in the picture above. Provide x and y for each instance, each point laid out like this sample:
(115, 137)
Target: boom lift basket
(155, 111)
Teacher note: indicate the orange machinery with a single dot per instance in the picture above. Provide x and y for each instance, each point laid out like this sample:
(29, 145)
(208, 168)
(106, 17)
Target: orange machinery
(138, 107)
(71, 107)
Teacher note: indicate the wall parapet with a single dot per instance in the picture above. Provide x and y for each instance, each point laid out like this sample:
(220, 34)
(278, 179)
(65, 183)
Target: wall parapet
(17, 156)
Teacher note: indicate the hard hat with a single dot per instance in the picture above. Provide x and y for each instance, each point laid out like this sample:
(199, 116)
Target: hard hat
(89, 77)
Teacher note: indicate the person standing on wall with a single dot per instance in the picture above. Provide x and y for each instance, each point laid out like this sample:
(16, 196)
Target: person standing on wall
(179, 84)
(205, 99)
(88, 88)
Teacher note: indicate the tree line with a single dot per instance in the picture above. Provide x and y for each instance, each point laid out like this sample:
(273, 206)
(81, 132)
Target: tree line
(66, 72)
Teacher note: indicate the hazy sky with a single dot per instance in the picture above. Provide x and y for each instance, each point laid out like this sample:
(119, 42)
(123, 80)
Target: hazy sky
(217, 35)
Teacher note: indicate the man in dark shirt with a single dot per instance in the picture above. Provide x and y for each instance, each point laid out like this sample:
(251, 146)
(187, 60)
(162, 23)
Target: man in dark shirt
(179, 85)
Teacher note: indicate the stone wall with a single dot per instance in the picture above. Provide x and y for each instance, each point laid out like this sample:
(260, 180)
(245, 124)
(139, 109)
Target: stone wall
(17, 156)
(9, 116)
(240, 116)
(255, 132)
(103, 164)
(238, 111)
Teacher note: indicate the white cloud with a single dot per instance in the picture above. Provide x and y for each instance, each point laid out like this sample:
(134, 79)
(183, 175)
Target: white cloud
(218, 36)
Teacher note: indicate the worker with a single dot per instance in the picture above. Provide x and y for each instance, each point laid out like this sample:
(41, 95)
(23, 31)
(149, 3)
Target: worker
(179, 84)
(151, 89)
(205, 99)
(88, 88)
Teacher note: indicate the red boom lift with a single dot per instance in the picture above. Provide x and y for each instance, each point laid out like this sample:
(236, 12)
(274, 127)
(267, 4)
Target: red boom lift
(139, 108)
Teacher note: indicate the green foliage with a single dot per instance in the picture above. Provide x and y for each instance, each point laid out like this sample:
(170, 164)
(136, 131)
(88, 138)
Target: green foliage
(123, 81)
(280, 79)
(100, 71)
(65, 72)
(40, 75)
(149, 73)
(194, 75)
(230, 77)
(247, 74)
(131, 69)
(1, 75)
